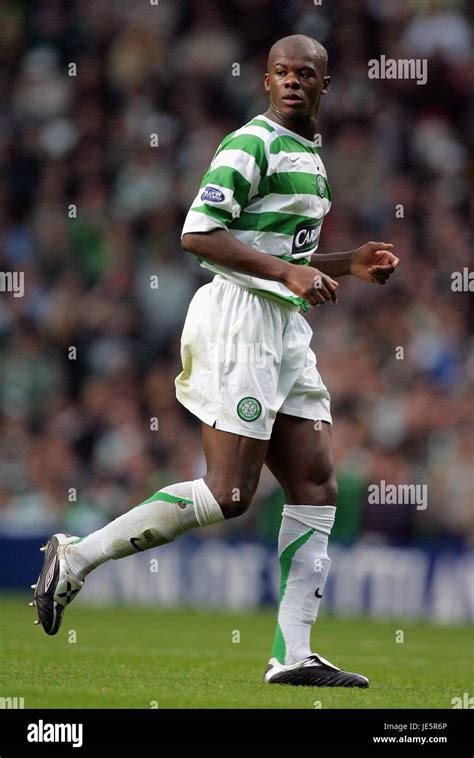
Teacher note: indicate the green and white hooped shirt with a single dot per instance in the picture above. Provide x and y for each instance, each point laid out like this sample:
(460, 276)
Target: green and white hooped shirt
(268, 187)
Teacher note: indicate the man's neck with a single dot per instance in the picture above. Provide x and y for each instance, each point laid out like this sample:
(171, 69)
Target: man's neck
(306, 128)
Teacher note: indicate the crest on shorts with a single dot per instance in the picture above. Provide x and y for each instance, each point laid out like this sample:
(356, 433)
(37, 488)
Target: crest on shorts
(249, 409)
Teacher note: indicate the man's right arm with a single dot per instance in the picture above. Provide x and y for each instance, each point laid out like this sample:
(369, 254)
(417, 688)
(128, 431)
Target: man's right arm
(220, 247)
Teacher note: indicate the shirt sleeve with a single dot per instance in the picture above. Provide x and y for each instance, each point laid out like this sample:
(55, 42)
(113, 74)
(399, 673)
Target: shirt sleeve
(230, 182)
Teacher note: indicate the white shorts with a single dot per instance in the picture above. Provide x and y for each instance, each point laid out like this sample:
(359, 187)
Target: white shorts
(245, 358)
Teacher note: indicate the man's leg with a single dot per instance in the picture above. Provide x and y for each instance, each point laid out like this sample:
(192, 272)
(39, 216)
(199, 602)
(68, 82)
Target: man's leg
(300, 457)
(234, 463)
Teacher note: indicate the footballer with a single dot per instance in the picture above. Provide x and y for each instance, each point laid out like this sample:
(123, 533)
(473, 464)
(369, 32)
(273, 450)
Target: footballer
(255, 223)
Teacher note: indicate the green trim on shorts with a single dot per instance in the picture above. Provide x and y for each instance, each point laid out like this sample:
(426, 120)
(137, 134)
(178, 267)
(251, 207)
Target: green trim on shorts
(298, 301)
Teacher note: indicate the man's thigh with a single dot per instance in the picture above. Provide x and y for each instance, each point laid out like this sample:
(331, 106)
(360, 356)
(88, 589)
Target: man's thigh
(234, 463)
(300, 457)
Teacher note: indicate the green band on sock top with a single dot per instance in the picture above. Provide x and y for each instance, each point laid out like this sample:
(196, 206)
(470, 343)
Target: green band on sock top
(286, 559)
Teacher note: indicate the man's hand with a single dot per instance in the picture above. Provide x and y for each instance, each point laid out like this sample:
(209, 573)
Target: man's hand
(373, 262)
(312, 284)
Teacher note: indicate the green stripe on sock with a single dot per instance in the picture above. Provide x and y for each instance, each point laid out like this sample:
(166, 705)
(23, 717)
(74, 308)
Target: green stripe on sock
(286, 559)
(167, 498)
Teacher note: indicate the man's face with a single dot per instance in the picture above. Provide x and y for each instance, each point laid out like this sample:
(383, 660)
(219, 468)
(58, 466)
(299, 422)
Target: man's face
(295, 84)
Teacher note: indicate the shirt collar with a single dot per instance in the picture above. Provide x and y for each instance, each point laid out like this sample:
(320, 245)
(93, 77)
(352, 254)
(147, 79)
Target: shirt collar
(280, 128)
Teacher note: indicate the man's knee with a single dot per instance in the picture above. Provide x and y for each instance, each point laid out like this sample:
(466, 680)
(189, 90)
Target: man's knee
(328, 490)
(233, 501)
(321, 490)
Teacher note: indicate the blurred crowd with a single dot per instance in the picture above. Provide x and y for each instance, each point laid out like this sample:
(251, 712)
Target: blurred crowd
(110, 113)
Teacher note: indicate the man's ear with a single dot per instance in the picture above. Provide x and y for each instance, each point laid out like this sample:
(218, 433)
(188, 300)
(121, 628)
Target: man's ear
(266, 82)
(326, 85)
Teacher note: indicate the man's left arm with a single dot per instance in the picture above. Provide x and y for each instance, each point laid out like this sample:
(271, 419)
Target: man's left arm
(373, 262)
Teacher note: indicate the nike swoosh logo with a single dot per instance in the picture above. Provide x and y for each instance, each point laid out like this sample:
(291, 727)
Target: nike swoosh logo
(133, 540)
(317, 593)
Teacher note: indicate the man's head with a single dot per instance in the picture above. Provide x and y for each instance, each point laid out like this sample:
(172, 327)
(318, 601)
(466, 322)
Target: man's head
(296, 76)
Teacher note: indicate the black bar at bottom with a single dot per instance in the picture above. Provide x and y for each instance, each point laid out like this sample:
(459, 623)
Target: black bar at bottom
(229, 732)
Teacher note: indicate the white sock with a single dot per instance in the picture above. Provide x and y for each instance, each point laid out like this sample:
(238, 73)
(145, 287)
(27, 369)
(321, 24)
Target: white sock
(168, 513)
(304, 566)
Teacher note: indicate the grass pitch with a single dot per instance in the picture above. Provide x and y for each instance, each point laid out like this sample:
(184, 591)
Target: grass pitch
(147, 657)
